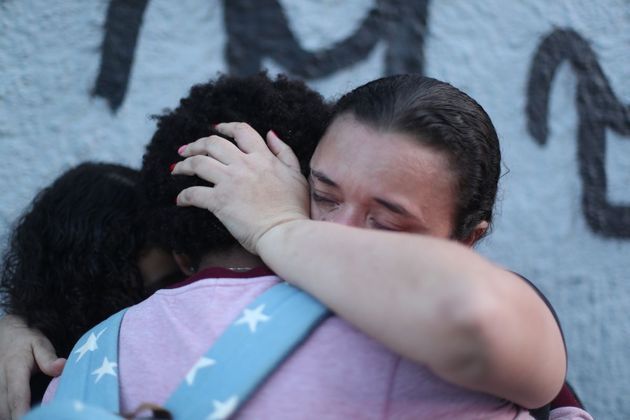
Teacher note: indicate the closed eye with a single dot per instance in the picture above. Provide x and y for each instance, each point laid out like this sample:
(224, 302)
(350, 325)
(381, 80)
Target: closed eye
(321, 199)
(379, 226)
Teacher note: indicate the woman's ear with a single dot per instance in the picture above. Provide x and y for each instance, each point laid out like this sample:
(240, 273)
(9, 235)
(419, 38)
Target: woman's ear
(476, 234)
(185, 263)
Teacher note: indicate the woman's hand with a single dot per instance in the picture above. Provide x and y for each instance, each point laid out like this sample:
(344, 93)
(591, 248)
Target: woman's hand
(22, 351)
(257, 186)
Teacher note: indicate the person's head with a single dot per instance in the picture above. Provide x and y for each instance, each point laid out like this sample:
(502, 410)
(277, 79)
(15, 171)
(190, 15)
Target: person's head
(72, 259)
(288, 107)
(408, 153)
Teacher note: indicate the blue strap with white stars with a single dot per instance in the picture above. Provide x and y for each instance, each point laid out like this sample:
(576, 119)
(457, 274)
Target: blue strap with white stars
(265, 334)
(92, 375)
(219, 383)
(88, 387)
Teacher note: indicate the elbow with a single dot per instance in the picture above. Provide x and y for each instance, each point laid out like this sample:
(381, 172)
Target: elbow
(492, 357)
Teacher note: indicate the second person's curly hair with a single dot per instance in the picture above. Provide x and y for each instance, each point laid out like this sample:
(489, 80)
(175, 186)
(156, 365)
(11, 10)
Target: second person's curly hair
(71, 260)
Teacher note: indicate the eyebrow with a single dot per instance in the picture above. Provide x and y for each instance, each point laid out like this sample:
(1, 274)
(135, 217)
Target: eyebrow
(393, 207)
(323, 178)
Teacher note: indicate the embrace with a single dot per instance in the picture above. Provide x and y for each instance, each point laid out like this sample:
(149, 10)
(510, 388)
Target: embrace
(369, 207)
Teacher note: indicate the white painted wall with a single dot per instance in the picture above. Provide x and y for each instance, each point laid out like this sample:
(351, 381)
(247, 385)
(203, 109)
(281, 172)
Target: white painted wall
(49, 58)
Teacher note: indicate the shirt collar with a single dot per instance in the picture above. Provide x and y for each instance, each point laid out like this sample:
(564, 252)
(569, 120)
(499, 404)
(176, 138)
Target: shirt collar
(223, 273)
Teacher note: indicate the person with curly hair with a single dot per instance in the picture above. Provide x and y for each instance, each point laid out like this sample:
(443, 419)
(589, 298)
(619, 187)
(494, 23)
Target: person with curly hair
(178, 323)
(76, 256)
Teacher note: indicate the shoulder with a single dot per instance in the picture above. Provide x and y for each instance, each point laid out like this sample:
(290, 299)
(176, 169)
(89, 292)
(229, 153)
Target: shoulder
(544, 299)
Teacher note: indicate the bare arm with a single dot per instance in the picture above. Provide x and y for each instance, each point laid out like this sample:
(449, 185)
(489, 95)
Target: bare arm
(431, 300)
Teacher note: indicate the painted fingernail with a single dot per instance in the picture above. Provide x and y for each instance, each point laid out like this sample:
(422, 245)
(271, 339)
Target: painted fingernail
(181, 149)
(274, 133)
(171, 167)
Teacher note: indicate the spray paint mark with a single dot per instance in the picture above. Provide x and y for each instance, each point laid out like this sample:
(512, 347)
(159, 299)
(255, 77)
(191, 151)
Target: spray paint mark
(598, 109)
(257, 29)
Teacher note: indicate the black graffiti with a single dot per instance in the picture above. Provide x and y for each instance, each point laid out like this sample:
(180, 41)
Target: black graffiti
(258, 29)
(122, 25)
(598, 109)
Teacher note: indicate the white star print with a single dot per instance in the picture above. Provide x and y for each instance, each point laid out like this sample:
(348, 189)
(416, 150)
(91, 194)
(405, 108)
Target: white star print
(201, 363)
(252, 317)
(90, 345)
(107, 368)
(223, 410)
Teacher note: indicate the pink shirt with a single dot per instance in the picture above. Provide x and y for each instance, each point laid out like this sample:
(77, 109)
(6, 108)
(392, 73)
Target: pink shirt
(338, 373)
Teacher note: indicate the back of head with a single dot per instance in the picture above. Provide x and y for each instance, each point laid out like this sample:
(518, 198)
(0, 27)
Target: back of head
(445, 119)
(71, 259)
(288, 107)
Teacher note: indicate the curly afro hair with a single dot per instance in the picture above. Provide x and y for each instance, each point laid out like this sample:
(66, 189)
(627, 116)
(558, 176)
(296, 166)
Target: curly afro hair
(295, 112)
(72, 257)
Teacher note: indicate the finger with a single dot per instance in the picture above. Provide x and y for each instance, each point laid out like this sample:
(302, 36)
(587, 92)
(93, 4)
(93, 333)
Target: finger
(201, 197)
(56, 367)
(247, 139)
(18, 391)
(46, 357)
(282, 151)
(219, 148)
(205, 167)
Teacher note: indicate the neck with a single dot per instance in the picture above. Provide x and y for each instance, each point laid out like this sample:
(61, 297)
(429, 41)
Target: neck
(236, 258)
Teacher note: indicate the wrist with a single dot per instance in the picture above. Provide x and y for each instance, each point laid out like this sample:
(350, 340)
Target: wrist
(276, 235)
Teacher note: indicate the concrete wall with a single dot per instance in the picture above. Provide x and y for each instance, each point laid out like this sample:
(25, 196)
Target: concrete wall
(79, 80)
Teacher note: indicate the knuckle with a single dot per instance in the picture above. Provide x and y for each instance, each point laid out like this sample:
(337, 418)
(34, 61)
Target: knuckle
(196, 163)
(241, 127)
(186, 195)
(192, 195)
(207, 143)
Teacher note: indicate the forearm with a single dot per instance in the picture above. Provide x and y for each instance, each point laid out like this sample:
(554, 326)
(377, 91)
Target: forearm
(386, 284)
(433, 301)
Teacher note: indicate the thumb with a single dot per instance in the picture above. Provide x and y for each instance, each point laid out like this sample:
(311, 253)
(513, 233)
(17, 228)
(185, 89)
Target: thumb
(201, 197)
(46, 358)
(282, 151)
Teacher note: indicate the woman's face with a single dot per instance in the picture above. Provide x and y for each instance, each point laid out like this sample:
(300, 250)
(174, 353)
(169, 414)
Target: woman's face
(380, 180)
